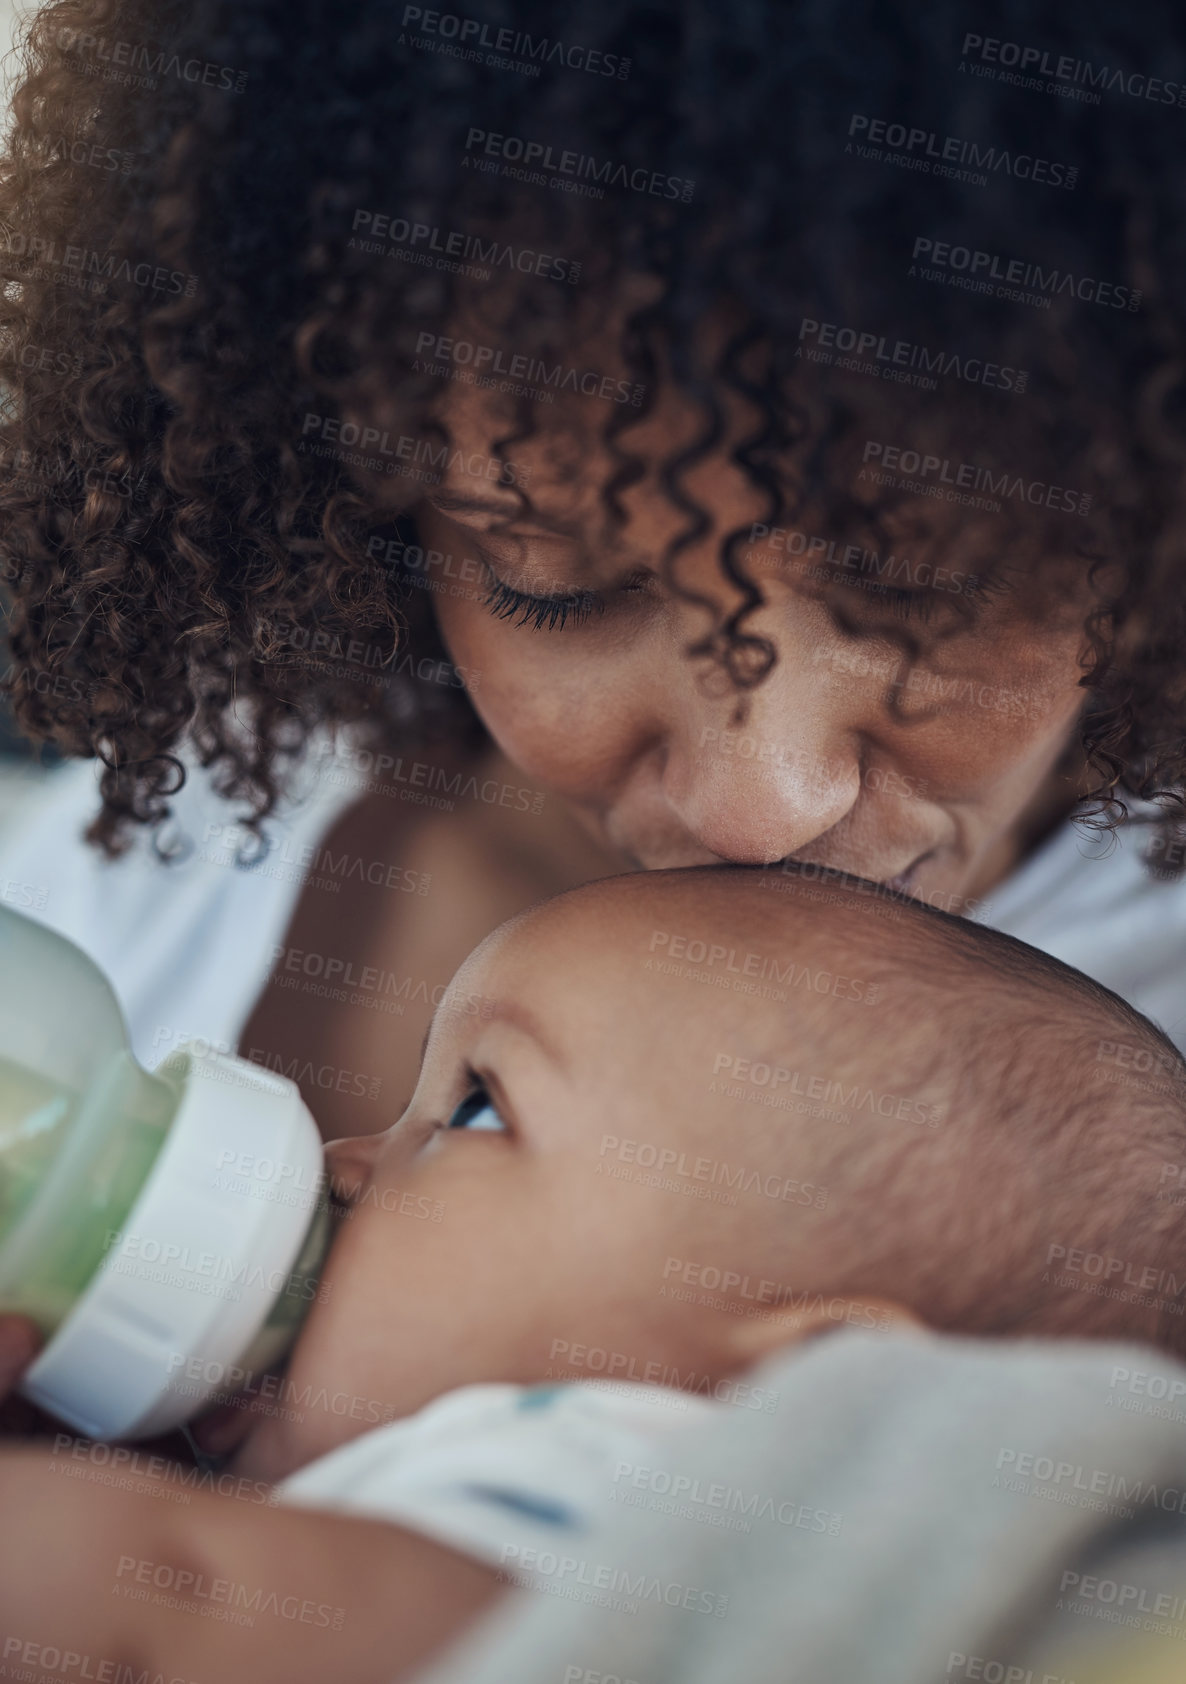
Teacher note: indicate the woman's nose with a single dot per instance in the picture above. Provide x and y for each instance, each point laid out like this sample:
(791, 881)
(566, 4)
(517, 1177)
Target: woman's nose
(772, 786)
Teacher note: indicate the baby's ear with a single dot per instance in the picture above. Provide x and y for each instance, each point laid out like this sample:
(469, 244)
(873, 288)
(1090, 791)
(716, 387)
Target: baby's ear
(753, 1337)
(349, 1162)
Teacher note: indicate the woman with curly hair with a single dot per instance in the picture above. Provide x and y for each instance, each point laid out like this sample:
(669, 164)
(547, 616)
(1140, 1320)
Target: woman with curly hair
(452, 457)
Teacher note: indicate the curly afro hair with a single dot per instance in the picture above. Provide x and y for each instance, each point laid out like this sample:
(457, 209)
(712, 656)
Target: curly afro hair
(185, 283)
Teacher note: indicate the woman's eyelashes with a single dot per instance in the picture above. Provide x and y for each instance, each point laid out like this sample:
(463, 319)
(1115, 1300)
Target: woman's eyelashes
(545, 613)
(966, 597)
(476, 1111)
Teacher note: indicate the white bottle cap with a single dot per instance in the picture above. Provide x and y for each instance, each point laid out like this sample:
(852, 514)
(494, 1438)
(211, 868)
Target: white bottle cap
(204, 1255)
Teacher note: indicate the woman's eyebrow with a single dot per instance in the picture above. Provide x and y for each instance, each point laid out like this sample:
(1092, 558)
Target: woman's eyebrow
(458, 502)
(451, 502)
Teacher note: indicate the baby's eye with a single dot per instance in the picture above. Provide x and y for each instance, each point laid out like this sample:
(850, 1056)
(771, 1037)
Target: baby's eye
(476, 1112)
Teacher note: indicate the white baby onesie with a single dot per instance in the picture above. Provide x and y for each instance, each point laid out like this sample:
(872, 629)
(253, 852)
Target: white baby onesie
(520, 1477)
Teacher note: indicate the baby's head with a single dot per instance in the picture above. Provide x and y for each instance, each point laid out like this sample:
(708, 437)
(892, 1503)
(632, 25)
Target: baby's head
(721, 1108)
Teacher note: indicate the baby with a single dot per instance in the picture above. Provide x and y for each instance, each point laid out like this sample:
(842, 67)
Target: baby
(702, 1114)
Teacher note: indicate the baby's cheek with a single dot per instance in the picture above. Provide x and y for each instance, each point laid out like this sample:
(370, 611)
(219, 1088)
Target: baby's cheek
(466, 1200)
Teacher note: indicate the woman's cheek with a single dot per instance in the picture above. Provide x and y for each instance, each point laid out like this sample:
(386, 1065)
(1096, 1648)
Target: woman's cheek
(557, 703)
(1003, 693)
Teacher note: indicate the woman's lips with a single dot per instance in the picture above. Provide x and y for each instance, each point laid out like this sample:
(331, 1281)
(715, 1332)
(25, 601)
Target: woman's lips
(904, 882)
(901, 883)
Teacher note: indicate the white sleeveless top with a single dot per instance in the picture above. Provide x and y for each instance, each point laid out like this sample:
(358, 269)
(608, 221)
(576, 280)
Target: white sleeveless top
(189, 944)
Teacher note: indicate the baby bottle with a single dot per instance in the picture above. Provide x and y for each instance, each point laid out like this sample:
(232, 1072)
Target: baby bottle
(164, 1229)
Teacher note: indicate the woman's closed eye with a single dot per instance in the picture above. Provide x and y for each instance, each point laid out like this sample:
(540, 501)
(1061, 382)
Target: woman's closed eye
(553, 610)
(476, 1111)
(545, 613)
